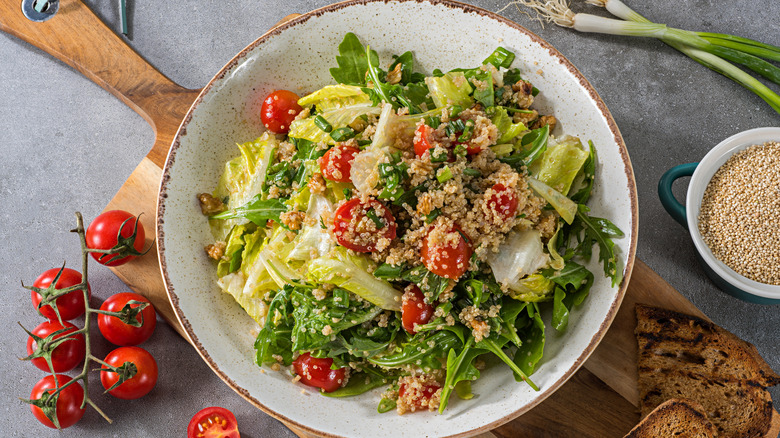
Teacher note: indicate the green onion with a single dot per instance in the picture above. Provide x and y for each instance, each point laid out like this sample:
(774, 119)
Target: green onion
(388, 271)
(460, 150)
(471, 172)
(444, 174)
(468, 131)
(323, 124)
(347, 193)
(342, 134)
(371, 214)
(500, 57)
(455, 110)
(433, 121)
(430, 217)
(709, 49)
(518, 110)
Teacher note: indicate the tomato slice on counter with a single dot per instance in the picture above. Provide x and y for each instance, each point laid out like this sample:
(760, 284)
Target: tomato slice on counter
(213, 422)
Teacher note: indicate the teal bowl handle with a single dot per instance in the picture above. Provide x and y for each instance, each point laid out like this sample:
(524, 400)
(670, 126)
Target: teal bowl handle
(670, 203)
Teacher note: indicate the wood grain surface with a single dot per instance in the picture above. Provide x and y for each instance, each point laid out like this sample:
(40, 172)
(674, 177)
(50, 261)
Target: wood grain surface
(599, 401)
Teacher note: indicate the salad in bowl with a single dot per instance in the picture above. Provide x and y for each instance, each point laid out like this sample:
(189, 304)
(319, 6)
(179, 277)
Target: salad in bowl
(399, 230)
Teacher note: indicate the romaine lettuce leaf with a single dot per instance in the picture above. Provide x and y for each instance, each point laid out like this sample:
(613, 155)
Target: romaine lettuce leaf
(563, 205)
(506, 128)
(560, 164)
(450, 89)
(334, 96)
(351, 272)
(521, 254)
(337, 117)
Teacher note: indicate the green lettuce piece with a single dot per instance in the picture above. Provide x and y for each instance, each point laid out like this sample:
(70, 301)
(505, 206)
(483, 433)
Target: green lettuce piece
(234, 284)
(313, 240)
(243, 177)
(563, 205)
(337, 117)
(351, 272)
(334, 96)
(533, 288)
(258, 280)
(506, 128)
(450, 89)
(231, 261)
(560, 164)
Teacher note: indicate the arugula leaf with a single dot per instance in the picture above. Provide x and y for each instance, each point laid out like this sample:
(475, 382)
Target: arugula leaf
(408, 75)
(530, 352)
(430, 284)
(531, 146)
(423, 349)
(274, 340)
(600, 231)
(352, 61)
(460, 367)
(560, 317)
(387, 271)
(256, 210)
(359, 383)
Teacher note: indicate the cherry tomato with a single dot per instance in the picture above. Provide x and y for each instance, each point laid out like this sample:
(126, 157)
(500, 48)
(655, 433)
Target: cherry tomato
(337, 163)
(414, 309)
(354, 228)
(137, 386)
(316, 372)
(119, 333)
(503, 201)
(449, 261)
(70, 305)
(422, 140)
(213, 422)
(69, 410)
(472, 149)
(421, 401)
(279, 110)
(66, 355)
(102, 234)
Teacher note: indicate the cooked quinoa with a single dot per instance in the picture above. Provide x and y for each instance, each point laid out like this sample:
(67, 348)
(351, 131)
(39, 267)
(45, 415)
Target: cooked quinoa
(739, 218)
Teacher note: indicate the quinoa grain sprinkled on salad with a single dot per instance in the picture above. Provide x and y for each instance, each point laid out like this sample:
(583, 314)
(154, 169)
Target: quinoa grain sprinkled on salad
(395, 228)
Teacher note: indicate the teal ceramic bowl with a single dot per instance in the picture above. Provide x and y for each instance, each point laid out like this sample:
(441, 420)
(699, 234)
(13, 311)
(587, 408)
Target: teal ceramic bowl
(687, 215)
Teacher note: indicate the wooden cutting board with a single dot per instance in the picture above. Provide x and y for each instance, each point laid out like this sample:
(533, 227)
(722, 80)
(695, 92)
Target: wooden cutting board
(598, 401)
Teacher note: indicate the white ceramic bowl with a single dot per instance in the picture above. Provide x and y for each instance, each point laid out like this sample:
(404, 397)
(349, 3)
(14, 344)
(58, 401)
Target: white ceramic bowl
(297, 56)
(701, 173)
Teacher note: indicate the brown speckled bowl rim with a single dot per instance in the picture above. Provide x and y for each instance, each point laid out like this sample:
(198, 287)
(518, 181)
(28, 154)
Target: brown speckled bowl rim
(630, 256)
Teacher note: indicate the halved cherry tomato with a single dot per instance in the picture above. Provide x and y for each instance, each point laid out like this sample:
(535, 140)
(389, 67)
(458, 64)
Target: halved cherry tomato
(428, 390)
(279, 110)
(119, 333)
(213, 422)
(70, 305)
(355, 229)
(414, 309)
(422, 140)
(137, 386)
(471, 149)
(503, 201)
(103, 231)
(316, 372)
(66, 355)
(449, 261)
(69, 410)
(337, 163)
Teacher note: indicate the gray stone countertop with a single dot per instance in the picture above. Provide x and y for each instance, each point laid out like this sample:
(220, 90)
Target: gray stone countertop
(67, 145)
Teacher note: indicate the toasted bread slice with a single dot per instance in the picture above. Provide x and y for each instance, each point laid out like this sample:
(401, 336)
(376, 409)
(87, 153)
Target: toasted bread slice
(680, 418)
(672, 341)
(681, 356)
(737, 408)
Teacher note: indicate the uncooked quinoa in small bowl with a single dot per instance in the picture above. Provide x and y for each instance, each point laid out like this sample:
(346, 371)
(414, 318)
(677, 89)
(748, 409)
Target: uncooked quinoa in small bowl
(733, 213)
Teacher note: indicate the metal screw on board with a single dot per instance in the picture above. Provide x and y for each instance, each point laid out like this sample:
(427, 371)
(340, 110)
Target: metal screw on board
(40, 10)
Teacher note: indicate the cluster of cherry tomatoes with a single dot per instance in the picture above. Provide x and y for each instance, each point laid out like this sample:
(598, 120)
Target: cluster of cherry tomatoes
(66, 343)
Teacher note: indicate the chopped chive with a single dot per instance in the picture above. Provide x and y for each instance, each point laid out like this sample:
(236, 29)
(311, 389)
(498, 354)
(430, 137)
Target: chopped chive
(347, 193)
(342, 134)
(323, 124)
(433, 121)
(372, 215)
(500, 57)
(388, 271)
(471, 172)
(444, 174)
(518, 110)
(430, 217)
(362, 143)
(322, 224)
(455, 110)
(461, 150)
(468, 131)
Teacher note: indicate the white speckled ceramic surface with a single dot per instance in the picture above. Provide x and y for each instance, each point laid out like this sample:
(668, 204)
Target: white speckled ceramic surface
(297, 56)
